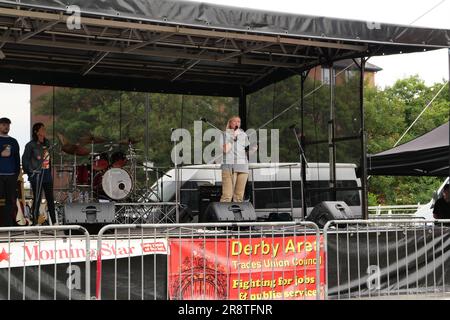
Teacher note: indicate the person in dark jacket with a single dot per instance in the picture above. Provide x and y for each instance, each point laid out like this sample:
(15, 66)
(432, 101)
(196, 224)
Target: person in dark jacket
(442, 206)
(36, 164)
(9, 171)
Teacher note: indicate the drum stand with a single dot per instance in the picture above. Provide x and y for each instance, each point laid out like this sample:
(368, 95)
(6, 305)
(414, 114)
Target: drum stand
(91, 198)
(74, 181)
(132, 157)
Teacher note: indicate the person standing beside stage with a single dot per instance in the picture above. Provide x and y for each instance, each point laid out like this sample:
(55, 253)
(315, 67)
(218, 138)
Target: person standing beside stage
(235, 163)
(37, 165)
(442, 206)
(9, 171)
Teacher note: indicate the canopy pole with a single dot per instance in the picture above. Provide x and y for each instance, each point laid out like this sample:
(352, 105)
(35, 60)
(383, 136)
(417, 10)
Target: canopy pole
(147, 135)
(364, 208)
(303, 183)
(332, 132)
(243, 108)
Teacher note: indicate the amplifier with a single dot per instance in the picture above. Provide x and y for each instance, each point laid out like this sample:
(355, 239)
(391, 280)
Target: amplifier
(89, 213)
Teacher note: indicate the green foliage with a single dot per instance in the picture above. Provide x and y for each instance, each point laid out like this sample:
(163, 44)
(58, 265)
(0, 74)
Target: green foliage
(372, 199)
(388, 114)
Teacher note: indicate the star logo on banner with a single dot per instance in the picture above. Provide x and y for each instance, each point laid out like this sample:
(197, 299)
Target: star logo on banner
(4, 255)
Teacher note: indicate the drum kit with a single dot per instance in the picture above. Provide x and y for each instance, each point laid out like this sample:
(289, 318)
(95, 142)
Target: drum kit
(109, 175)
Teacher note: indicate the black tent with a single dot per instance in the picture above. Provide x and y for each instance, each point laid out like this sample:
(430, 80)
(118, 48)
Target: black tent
(427, 155)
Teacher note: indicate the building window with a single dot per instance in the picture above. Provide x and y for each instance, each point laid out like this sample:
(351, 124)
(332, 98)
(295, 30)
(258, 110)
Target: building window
(326, 75)
(350, 74)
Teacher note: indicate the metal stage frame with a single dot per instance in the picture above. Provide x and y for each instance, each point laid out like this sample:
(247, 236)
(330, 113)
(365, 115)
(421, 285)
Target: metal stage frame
(213, 50)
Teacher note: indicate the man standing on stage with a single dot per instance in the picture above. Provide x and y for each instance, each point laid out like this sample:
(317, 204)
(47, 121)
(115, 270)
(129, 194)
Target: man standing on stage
(37, 165)
(9, 171)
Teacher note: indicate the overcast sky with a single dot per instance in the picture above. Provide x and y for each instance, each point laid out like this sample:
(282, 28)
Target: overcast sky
(430, 66)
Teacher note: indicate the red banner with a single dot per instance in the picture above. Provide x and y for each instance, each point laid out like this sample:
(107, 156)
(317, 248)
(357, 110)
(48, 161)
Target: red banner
(245, 268)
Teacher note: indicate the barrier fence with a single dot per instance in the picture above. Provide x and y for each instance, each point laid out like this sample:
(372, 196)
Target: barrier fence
(42, 263)
(382, 258)
(406, 210)
(244, 261)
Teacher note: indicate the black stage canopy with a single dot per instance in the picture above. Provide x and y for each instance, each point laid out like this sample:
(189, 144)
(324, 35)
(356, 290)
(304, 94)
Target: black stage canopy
(427, 155)
(183, 47)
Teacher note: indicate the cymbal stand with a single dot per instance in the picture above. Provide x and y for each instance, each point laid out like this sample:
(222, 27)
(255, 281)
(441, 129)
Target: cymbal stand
(75, 172)
(132, 156)
(60, 162)
(92, 171)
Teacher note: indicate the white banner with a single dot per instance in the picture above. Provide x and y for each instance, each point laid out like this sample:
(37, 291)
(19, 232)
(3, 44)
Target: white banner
(44, 252)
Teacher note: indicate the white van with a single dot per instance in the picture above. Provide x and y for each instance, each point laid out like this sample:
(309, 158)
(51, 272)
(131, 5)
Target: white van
(271, 187)
(426, 211)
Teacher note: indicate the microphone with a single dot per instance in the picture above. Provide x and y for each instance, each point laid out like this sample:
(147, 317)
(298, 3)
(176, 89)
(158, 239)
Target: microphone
(235, 129)
(203, 119)
(292, 126)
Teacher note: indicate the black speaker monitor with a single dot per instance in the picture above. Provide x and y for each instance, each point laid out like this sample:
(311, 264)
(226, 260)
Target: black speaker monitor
(89, 213)
(329, 210)
(228, 212)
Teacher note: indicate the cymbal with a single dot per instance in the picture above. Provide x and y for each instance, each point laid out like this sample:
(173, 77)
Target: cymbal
(128, 141)
(75, 149)
(110, 145)
(62, 138)
(88, 139)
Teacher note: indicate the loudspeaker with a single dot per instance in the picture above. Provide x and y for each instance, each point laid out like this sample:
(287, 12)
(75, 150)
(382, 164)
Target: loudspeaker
(208, 194)
(89, 213)
(329, 210)
(228, 212)
(280, 216)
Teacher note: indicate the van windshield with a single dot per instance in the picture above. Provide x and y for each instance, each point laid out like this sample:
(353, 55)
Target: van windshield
(163, 191)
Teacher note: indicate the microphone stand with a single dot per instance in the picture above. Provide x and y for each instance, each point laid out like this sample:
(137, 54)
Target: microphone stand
(302, 174)
(40, 178)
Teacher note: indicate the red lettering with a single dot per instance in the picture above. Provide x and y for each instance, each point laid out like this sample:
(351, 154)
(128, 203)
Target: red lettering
(29, 253)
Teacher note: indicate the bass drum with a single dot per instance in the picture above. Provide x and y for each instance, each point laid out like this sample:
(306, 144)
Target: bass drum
(115, 184)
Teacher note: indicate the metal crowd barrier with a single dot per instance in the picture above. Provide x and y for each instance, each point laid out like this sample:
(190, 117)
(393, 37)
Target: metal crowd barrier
(393, 209)
(44, 263)
(387, 258)
(242, 261)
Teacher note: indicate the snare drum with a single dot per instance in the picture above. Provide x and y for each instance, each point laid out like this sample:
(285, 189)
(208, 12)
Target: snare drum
(118, 160)
(101, 162)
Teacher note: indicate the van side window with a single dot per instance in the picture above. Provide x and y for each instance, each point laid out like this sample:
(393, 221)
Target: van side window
(350, 197)
(276, 194)
(317, 193)
(189, 195)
